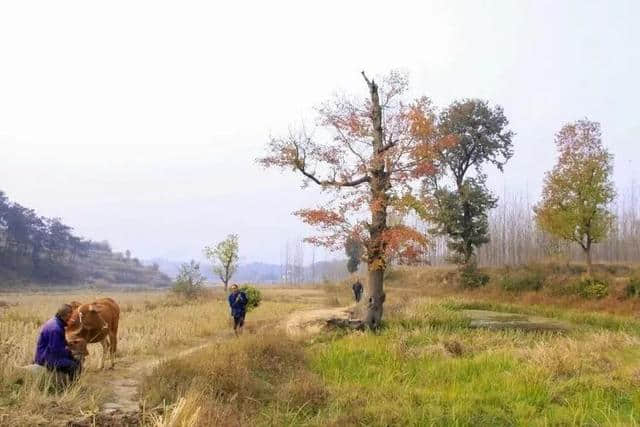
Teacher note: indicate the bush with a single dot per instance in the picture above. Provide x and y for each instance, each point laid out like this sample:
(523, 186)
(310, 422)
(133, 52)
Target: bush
(592, 288)
(632, 289)
(253, 295)
(190, 282)
(526, 280)
(471, 277)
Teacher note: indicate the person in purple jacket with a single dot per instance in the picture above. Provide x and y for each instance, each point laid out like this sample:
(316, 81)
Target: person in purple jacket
(52, 351)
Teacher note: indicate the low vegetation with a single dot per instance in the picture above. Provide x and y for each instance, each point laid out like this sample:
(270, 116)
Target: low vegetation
(425, 363)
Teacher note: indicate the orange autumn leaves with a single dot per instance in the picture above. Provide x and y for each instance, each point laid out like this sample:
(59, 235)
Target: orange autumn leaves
(343, 154)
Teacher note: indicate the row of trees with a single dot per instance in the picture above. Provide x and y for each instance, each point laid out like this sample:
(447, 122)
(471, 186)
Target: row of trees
(35, 246)
(41, 249)
(383, 157)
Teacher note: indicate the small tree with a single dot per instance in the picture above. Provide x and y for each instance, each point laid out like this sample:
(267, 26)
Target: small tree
(354, 250)
(224, 258)
(461, 212)
(189, 282)
(578, 190)
(371, 152)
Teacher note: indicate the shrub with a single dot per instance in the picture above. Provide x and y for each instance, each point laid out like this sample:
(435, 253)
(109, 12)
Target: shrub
(526, 280)
(471, 277)
(632, 289)
(592, 288)
(253, 295)
(190, 282)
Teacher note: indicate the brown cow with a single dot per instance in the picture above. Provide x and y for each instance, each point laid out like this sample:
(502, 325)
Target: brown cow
(93, 323)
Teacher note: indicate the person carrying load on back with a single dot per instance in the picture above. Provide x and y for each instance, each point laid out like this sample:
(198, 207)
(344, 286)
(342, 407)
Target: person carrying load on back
(52, 350)
(238, 302)
(357, 290)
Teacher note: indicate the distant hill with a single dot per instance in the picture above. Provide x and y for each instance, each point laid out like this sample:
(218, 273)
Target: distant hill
(259, 272)
(37, 249)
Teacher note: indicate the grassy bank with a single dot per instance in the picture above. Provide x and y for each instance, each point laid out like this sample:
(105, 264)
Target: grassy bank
(426, 367)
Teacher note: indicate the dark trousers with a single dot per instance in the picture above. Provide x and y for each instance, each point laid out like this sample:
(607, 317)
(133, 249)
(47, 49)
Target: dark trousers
(238, 321)
(66, 374)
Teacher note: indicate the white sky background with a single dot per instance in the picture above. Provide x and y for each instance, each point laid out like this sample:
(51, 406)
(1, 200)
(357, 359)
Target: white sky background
(139, 122)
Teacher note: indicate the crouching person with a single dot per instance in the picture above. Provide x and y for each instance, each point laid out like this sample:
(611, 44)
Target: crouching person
(52, 350)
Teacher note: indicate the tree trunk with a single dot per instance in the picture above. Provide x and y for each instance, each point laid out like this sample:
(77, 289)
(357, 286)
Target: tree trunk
(587, 254)
(379, 184)
(376, 299)
(225, 282)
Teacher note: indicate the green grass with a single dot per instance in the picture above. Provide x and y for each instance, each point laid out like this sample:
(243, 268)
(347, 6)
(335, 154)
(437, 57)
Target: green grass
(594, 320)
(426, 366)
(407, 374)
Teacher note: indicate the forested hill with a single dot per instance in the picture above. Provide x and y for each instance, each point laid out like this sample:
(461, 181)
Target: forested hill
(37, 249)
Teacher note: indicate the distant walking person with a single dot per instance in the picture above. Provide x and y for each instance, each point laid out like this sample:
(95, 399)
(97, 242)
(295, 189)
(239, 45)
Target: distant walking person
(238, 302)
(52, 351)
(357, 290)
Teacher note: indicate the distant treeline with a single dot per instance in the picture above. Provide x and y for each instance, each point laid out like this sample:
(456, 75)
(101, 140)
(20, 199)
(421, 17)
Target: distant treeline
(516, 239)
(40, 249)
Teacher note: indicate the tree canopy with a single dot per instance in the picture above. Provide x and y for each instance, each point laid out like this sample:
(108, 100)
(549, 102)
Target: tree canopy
(224, 257)
(578, 190)
(366, 155)
(481, 136)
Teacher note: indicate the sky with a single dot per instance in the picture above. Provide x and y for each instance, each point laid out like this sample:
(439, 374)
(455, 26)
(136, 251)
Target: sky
(139, 122)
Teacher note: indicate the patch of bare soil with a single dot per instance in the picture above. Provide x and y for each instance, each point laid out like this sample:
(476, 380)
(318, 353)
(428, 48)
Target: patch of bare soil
(310, 322)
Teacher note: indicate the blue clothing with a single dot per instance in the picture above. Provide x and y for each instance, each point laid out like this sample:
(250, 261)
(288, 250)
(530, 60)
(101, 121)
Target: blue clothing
(52, 350)
(238, 303)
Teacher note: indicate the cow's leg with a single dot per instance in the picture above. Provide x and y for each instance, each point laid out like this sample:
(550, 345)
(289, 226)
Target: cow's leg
(113, 341)
(104, 352)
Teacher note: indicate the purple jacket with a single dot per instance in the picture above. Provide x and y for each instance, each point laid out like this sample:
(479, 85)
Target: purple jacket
(52, 350)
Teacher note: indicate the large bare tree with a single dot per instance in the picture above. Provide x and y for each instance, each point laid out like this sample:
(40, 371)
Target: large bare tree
(367, 154)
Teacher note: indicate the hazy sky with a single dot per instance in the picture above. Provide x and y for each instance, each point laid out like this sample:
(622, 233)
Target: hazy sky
(139, 122)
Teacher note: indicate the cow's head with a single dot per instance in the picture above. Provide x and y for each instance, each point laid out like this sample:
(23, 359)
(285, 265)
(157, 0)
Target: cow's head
(78, 347)
(88, 318)
(73, 322)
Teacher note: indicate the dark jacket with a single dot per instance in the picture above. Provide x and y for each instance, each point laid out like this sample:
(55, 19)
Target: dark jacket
(52, 350)
(238, 303)
(357, 287)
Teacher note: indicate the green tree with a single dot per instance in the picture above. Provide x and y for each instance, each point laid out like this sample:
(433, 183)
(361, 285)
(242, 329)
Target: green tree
(578, 190)
(189, 282)
(354, 250)
(224, 257)
(478, 135)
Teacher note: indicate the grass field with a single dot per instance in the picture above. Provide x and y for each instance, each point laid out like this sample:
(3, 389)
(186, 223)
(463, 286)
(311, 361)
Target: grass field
(425, 367)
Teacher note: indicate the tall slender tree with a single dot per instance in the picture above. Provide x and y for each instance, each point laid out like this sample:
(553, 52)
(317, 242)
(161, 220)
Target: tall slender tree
(370, 152)
(578, 190)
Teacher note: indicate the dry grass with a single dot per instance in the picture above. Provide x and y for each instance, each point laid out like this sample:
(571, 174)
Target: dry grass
(258, 379)
(426, 363)
(152, 324)
(557, 292)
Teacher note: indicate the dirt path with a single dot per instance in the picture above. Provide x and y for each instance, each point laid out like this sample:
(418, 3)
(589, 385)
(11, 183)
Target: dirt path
(123, 407)
(123, 382)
